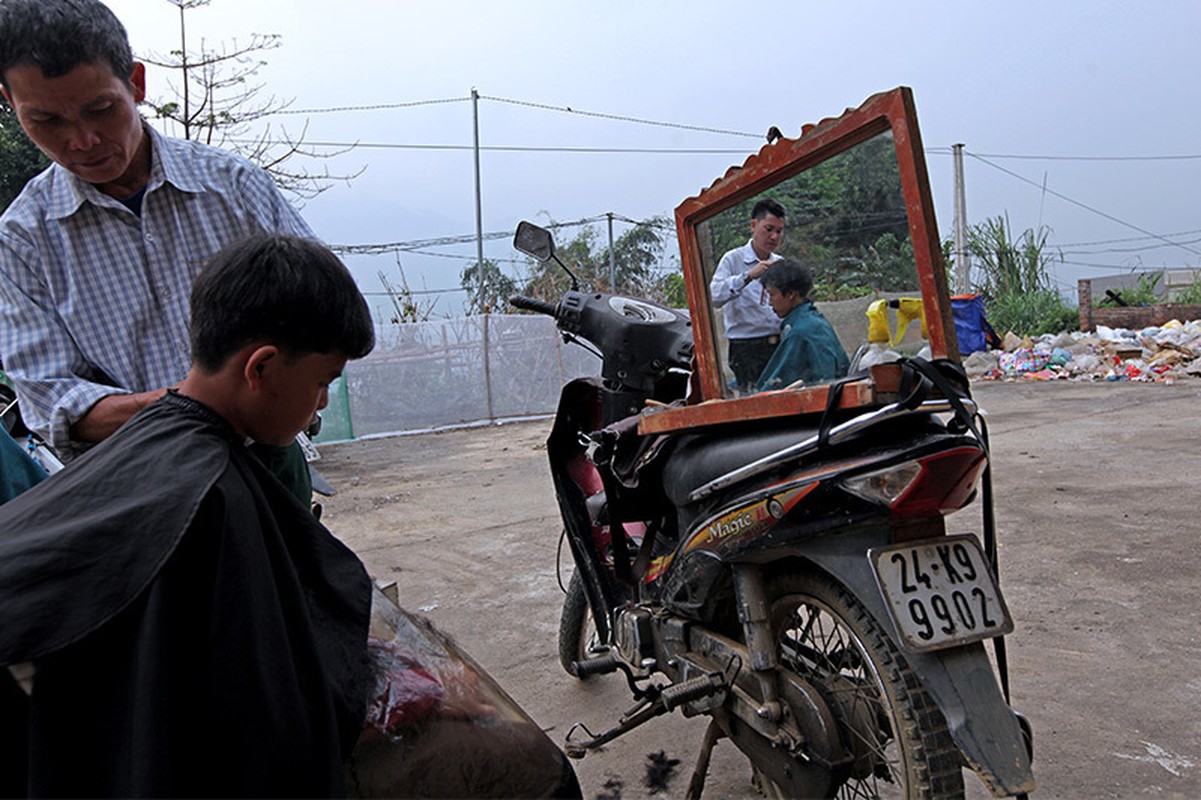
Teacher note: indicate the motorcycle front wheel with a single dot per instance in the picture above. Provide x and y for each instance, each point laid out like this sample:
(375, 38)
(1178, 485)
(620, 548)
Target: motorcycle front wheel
(578, 639)
(897, 737)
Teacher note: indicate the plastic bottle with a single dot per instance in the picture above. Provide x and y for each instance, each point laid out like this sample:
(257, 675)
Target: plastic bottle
(878, 336)
(908, 309)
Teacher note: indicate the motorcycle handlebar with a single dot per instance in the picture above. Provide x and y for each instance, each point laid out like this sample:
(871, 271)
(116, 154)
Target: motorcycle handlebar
(533, 304)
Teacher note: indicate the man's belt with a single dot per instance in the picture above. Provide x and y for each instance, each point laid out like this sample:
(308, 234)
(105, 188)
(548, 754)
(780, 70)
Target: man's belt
(773, 339)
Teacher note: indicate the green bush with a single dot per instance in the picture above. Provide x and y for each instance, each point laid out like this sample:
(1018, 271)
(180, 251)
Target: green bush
(1189, 296)
(1012, 275)
(829, 292)
(1031, 313)
(1144, 294)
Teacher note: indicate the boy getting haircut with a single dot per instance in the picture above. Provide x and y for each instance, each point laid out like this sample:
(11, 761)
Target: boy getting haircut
(809, 350)
(168, 595)
(789, 275)
(285, 290)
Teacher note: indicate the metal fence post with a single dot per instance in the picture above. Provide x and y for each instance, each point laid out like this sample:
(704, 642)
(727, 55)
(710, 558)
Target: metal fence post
(488, 368)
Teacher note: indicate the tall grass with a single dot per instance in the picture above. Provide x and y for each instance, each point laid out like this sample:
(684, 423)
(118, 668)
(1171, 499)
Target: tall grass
(1012, 275)
(1190, 295)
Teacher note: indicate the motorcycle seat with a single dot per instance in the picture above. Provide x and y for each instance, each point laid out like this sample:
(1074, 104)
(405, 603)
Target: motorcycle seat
(698, 458)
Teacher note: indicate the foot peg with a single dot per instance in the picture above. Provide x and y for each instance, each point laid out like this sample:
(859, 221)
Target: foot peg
(698, 688)
(600, 665)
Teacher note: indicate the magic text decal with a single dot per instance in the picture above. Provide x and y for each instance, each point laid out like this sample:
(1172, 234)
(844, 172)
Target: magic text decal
(749, 520)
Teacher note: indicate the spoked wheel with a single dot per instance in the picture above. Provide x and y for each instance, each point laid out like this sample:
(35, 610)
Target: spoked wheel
(578, 639)
(8, 419)
(896, 736)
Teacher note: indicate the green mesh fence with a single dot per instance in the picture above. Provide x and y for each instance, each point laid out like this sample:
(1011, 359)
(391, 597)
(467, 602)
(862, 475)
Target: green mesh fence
(335, 419)
(426, 375)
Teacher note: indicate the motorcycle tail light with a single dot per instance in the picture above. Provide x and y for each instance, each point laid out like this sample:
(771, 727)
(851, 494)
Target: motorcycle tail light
(937, 484)
(885, 486)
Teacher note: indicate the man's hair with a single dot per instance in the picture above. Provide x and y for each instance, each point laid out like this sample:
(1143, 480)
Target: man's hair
(59, 35)
(789, 275)
(281, 290)
(765, 207)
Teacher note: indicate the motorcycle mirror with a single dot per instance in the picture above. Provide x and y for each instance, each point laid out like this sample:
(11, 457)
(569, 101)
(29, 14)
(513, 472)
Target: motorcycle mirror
(535, 242)
(538, 244)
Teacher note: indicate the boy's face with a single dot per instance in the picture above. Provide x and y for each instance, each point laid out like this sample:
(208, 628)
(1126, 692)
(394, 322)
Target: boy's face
(782, 302)
(293, 390)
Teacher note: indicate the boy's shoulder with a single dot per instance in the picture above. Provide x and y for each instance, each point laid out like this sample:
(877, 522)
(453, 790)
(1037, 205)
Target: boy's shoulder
(81, 545)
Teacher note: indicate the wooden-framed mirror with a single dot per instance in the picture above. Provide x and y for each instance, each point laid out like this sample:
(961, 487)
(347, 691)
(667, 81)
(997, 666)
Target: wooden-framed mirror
(857, 213)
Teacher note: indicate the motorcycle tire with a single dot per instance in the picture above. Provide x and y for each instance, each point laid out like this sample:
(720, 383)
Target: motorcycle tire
(578, 638)
(887, 720)
(10, 419)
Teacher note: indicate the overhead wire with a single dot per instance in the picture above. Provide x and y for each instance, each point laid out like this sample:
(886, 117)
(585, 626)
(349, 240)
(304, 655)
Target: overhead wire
(501, 148)
(1085, 206)
(1180, 157)
(1139, 249)
(984, 158)
(414, 247)
(371, 249)
(372, 106)
(621, 118)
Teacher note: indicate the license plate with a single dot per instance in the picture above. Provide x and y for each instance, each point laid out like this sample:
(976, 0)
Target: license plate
(941, 592)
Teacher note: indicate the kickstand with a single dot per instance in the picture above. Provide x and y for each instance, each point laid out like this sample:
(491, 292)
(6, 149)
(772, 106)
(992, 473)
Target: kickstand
(697, 785)
(654, 701)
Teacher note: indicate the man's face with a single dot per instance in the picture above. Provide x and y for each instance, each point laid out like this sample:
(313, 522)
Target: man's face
(86, 120)
(782, 302)
(294, 389)
(766, 234)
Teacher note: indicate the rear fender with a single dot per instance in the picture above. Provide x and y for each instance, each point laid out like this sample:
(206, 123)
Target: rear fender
(579, 413)
(959, 679)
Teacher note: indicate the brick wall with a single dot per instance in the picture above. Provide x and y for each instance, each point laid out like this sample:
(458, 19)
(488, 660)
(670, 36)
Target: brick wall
(1132, 317)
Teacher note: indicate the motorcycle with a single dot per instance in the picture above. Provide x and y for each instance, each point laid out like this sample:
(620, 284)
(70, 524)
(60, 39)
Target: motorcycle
(792, 580)
(10, 420)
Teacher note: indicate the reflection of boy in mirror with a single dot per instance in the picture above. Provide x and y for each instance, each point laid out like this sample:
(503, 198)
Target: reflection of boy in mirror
(751, 328)
(809, 349)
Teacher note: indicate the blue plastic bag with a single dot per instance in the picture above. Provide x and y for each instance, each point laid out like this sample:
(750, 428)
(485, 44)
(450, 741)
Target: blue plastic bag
(971, 326)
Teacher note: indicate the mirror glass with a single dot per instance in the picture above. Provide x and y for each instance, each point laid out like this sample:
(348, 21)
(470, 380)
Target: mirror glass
(845, 218)
(535, 242)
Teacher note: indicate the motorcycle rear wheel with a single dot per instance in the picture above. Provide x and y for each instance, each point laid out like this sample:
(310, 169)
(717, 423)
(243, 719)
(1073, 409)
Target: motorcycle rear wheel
(888, 722)
(578, 639)
(9, 420)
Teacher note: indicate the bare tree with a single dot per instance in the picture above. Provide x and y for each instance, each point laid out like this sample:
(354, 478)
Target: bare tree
(216, 101)
(406, 305)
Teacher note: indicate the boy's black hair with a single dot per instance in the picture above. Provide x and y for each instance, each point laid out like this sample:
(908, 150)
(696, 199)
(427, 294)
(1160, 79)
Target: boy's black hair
(767, 206)
(789, 275)
(59, 35)
(282, 290)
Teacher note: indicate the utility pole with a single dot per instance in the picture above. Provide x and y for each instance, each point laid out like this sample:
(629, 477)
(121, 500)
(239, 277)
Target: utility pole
(479, 221)
(963, 267)
(479, 252)
(612, 260)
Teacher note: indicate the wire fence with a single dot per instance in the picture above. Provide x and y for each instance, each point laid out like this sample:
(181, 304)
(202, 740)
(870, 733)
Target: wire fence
(428, 375)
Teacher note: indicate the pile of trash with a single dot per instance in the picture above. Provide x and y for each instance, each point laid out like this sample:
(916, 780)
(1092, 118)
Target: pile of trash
(1163, 354)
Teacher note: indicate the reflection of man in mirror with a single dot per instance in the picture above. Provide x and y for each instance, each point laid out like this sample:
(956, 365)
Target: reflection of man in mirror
(751, 327)
(809, 349)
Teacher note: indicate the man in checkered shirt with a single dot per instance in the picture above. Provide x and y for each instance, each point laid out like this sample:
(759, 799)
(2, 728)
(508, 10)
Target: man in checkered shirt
(98, 254)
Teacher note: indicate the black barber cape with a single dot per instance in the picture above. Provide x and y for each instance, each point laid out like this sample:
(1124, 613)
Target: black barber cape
(195, 631)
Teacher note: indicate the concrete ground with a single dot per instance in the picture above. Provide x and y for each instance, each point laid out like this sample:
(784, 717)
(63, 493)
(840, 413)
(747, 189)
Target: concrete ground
(1097, 488)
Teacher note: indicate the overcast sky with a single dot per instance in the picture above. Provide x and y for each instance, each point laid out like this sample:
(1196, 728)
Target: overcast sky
(1096, 100)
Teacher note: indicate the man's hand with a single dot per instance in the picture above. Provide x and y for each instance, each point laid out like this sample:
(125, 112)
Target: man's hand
(756, 272)
(110, 413)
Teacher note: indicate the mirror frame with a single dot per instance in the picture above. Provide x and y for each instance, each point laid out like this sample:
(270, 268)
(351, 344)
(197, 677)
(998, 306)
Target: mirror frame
(781, 160)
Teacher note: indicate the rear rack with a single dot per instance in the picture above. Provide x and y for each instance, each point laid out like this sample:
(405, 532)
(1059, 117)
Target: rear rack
(836, 434)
